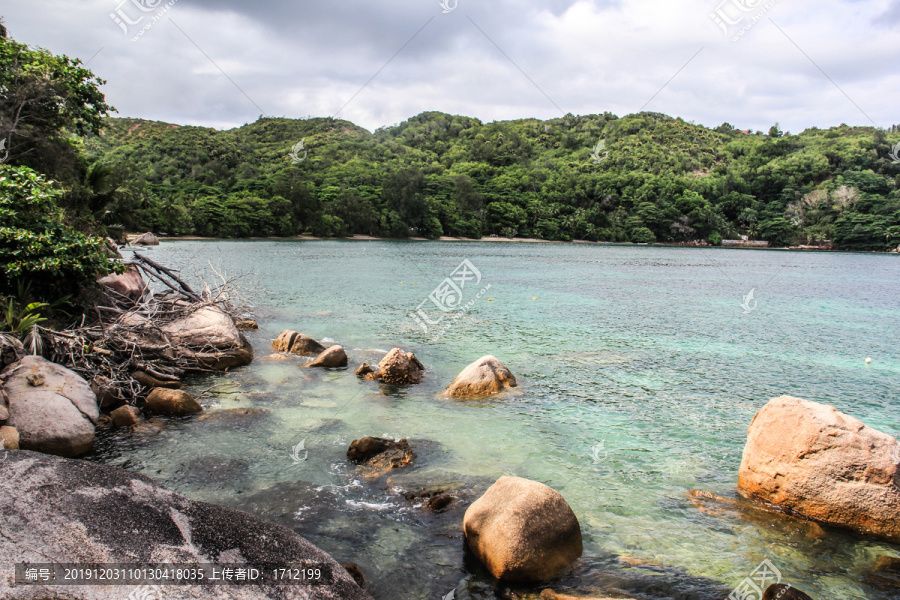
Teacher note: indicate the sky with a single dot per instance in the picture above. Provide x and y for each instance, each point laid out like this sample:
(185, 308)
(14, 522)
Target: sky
(223, 63)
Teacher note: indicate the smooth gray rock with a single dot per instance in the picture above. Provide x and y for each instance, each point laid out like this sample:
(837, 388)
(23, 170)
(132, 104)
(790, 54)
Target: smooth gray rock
(53, 408)
(71, 511)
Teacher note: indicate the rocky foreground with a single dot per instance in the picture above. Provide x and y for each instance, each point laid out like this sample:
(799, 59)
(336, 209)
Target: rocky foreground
(69, 511)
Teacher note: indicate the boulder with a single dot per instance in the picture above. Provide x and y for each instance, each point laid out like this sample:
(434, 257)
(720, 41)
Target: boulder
(209, 338)
(485, 376)
(331, 358)
(56, 416)
(382, 453)
(522, 531)
(150, 381)
(399, 367)
(129, 287)
(297, 343)
(9, 438)
(172, 402)
(146, 239)
(824, 465)
(783, 591)
(70, 511)
(126, 416)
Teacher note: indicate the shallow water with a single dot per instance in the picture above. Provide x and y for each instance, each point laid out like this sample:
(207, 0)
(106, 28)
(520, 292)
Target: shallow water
(639, 373)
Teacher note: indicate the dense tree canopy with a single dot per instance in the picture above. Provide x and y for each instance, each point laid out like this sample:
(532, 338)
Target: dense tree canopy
(658, 179)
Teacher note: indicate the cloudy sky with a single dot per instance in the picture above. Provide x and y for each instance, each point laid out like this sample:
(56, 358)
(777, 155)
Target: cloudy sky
(223, 63)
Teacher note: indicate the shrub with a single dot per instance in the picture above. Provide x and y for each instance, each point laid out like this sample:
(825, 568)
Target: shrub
(36, 245)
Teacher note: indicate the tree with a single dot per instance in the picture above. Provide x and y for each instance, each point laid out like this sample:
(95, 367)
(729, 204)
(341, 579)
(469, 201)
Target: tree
(37, 247)
(44, 97)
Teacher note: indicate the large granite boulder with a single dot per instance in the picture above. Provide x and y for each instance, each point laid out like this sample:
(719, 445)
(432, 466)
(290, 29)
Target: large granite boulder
(129, 287)
(523, 531)
(485, 376)
(53, 409)
(297, 343)
(209, 338)
(818, 462)
(399, 367)
(68, 511)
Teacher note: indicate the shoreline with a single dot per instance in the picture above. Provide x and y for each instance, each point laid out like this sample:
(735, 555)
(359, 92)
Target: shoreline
(368, 238)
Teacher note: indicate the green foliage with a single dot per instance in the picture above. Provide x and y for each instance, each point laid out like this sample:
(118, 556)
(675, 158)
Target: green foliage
(659, 179)
(37, 246)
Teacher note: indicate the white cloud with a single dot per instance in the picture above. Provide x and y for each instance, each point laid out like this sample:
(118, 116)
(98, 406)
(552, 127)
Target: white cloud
(298, 59)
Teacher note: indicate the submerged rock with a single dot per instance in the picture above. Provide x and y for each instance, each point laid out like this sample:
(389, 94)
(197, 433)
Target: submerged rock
(69, 511)
(247, 325)
(824, 465)
(399, 367)
(53, 409)
(381, 453)
(172, 402)
(523, 531)
(485, 376)
(297, 343)
(366, 372)
(332, 358)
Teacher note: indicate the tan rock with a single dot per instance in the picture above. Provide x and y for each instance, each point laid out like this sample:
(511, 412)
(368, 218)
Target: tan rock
(364, 371)
(399, 367)
(523, 531)
(824, 465)
(152, 382)
(297, 343)
(172, 402)
(332, 358)
(126, 416)
(247, 325)
(9, 438)
(485, 376)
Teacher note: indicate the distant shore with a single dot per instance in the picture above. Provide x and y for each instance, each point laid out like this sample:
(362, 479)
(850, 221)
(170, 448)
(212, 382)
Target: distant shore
(514, 240)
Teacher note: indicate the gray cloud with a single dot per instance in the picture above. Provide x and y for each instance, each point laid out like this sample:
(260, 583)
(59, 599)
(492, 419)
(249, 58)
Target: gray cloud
(223, 62)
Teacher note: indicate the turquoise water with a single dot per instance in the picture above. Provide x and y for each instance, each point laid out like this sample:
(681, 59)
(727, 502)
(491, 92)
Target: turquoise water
(639, 373)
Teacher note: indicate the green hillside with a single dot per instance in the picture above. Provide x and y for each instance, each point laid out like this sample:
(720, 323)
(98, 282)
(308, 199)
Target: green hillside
(654, 179)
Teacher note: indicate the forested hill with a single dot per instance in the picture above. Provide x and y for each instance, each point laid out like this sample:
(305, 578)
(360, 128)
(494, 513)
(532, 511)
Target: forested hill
(642, 178)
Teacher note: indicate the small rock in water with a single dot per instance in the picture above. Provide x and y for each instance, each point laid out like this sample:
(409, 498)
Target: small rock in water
(399, 367)
(297, 343)
(868, 361)
(247, 325)
(172, 402)
(332, 358)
